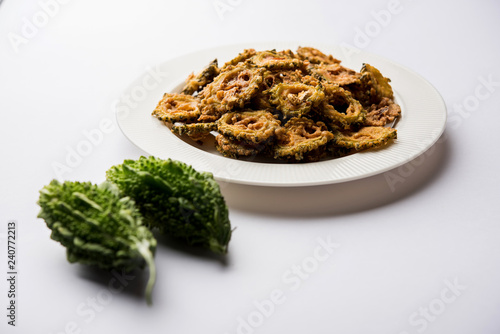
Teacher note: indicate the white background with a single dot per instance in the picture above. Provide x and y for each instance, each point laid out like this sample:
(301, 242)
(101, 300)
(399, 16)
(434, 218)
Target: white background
(399, 247)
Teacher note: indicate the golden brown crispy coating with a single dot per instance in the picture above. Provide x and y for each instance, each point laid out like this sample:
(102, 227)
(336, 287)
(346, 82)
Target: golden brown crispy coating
(241, 57)
(196, 83)
(340, 108)
(275, 61)
(374, 86)
(272, 78)
(310, 80)
(335, 74)
(301, 139)
(383, 113)
(253, 126)
(177, 108)
(195, 131)
(327, 110)
(235, 149)
(314, 56)
(231, 89)
(365, 138)
(295, 99)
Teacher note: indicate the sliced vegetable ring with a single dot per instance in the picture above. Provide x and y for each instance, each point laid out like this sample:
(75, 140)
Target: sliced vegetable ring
(365, 138)
(272, 78)
(254, 127)
(341, 108)
(177, 108)
(273, 60)
(241, 57)
(301, 139)
(383, 113)
(196, 131)
(235, 149)
(207, 75)
(375, 84)
(315, 56)
(232, 88)
(335, 73)
(295, 100)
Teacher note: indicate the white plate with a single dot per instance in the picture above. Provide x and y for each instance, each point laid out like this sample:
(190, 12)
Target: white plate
(423, 121)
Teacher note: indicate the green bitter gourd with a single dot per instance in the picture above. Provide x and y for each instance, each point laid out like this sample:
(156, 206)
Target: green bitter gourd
(178, 200)
(98, 226)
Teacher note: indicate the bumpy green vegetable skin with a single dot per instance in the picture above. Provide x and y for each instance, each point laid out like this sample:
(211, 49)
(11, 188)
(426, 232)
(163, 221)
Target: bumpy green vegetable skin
(98, 227)
(178, 200)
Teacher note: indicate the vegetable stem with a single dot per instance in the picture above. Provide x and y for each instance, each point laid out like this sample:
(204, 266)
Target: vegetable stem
(143, 248)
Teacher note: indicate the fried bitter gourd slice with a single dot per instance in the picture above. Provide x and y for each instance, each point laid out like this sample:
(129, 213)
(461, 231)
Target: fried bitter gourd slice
(236, 149)
(98, 226)
(178, 200)
(196, 83)
(315, 56)
(195, 131)
(252, 126)
(241, 57)
(383, 113)
(276, 61)
(296, 99)
(272, 78)
(340, 108)
(301, 139)
(175, 107)
(335, 74)
(230, 89)
(373, 86)
(365, 138)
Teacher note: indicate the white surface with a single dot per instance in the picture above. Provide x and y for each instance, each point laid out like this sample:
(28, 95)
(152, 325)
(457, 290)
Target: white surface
(423, 122)
(403, 236)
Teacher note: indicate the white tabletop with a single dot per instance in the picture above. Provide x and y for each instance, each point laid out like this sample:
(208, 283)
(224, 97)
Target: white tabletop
(420, 254)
